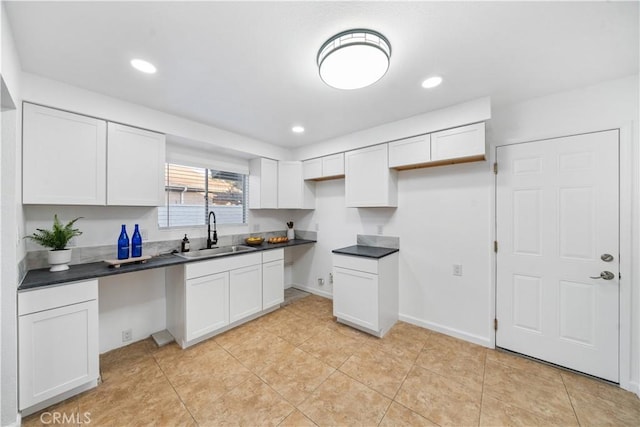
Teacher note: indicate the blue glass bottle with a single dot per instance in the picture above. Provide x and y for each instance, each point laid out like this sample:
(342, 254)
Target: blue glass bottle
(123, 244)
(136, 243)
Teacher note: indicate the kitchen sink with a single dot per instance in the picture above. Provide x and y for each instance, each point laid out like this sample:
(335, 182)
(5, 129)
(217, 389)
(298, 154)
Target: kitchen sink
(214, 252)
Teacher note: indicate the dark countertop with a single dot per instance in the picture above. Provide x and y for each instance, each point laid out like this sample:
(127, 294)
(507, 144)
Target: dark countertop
(43, 277)
(366, 251)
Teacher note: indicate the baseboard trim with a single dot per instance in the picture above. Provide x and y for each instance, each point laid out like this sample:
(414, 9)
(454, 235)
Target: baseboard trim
(312, 290)
(634, 387)
(456, 333)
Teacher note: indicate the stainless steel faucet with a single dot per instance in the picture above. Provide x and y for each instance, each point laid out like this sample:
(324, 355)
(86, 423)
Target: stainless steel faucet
(210, 241)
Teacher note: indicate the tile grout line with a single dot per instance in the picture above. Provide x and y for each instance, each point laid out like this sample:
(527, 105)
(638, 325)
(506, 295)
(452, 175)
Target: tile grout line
(484, 376)
(164, 374)
(575, 414)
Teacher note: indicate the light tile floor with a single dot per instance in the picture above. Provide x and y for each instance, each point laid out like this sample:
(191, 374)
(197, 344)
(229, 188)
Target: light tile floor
(298, 367)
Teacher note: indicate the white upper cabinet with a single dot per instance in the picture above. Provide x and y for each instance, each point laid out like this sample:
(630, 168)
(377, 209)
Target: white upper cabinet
(327, 167)
(293, 191)
(71, 159)
(410, 152)
(466, 142)
(263, 184)
(63, 157)
(368, 180)
(333, 166)
(135, 166)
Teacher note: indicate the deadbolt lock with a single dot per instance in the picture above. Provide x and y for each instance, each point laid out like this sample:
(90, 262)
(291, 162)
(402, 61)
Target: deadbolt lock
(606, 257)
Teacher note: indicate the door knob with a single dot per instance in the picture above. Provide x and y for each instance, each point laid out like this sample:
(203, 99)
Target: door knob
(606, 275)
(606, 257)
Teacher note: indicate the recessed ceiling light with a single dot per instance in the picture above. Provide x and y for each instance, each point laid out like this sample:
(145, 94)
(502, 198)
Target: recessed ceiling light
(297, 129)
(432, 82)
(144, 66)
(354, 59)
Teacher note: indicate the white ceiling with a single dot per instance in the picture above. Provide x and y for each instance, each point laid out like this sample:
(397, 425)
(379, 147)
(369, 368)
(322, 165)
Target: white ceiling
(249, 67)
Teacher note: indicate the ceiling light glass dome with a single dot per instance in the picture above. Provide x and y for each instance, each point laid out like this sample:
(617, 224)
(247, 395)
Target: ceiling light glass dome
(354, 59)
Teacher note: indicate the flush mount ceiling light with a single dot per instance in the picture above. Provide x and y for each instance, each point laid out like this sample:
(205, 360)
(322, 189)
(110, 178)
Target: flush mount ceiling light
(297, 129)
(354, 59)
(432, 82)
(144, 66)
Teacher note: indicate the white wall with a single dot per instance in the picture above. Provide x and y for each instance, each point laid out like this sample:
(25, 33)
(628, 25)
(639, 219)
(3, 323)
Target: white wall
(133, 301)
(445, 216)
(10, 223)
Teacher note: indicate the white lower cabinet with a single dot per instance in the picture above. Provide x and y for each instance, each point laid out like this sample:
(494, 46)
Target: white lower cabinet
(245, 292)
(207, 297)
(365, 292)
(272, 278)
(206, 304)
(57, 343)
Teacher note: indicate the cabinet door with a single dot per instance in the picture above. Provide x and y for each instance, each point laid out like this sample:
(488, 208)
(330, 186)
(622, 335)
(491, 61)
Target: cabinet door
(263, 184)
(312, 169)
(465, 141)
(293, 191)
(368, 180)
(58, 351)
(207, 304)
(333, 166)
(135, 166)
(355, 297)
(245, 292)
(409, 152)
(63, 157)
(272, 283)
(290, 182)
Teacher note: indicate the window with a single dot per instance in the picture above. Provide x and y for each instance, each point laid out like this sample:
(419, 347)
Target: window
(192, 192)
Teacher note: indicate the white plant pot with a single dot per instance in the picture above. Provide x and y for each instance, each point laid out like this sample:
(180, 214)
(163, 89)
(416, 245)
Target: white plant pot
(59, 259)
(291, 234)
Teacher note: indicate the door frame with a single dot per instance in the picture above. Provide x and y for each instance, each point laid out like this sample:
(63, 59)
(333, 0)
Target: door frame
(625, 179)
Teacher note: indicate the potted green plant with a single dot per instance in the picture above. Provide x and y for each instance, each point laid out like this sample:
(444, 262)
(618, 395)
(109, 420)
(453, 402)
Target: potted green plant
(56, 239)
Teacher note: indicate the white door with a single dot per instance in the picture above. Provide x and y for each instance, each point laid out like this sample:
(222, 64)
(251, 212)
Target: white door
(355, 297)
(557, 218)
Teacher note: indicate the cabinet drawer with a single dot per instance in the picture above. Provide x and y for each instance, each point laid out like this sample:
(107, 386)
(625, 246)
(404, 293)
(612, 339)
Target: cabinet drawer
(56, 296)
(357, 263)
(272, 255)
(203, 268)
(410, 151)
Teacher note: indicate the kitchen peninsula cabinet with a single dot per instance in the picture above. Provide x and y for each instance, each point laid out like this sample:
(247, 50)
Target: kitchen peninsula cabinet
(365, 288)
(57, 342)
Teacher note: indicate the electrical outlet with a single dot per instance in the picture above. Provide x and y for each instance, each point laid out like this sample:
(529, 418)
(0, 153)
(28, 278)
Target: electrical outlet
(457, 269)
(127, 335)
(380, 229)
(331, 278)
(320, 281)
